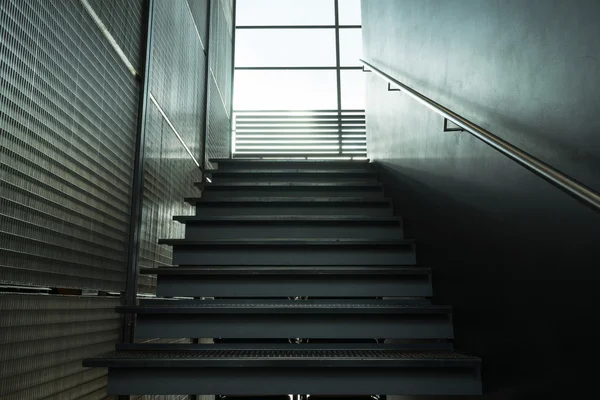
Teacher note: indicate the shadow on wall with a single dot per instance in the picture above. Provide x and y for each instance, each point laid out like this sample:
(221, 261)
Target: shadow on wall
(549, 139)
(522, 280)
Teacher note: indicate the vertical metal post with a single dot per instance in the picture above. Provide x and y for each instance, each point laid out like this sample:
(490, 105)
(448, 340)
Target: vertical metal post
(135, 219)
(207, 78)
(232, 77)
(338, 73)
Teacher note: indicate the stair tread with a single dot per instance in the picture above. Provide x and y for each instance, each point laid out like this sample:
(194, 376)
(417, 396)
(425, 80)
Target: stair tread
(287, 242)
(254, 199)
(292, 171)
(242, 270)
(261, 306)
(289, 184)
(283, 161)
(292, 357)
(301, 218)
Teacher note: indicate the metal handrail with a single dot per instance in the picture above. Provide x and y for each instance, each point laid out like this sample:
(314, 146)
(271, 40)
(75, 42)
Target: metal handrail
(540, 168)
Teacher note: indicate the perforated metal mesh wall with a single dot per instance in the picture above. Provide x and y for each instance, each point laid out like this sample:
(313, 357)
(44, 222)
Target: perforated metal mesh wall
(169, 177)
(218, 138)
(43, 340)
(178, 87)
(68, 122)
(68, 119)
(199, 10)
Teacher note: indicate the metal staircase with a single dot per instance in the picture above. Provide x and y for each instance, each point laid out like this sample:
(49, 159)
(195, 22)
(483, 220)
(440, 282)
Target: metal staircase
(281, 250)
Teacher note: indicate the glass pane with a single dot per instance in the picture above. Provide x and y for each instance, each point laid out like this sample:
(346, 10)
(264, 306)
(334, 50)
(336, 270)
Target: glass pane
(285, 12)
(353, 90)
(349, 11)
(284, 47)
(285, 90)
(350, 47)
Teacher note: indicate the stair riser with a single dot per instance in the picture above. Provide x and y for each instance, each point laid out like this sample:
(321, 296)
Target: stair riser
(208, 231)
(280, 255)
(318, 326)
(284, 286)
(274, 381)
(291, 177)
(214, 193)
(291, 165)
(271, 209)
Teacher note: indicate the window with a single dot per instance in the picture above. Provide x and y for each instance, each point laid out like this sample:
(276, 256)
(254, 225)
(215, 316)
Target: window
(285, 12)
(285, 47)
(299, 85)
(350, 47)
(349, 12)
(285, 90)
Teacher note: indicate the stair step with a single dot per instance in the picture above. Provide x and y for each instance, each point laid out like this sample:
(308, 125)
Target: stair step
(193, 369)
(291, 270)
(282, 307)
(282, 175)
(268, 252)
(345, 219)
(289, 189)
(290, 226)
(294, 281)
(366, 206)
(299, 200)
(333, 345)
(237, 164)
(242, 184)
(291, 171)
(260, 318)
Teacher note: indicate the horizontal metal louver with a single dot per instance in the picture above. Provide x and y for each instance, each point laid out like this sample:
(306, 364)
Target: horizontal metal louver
(300, 134)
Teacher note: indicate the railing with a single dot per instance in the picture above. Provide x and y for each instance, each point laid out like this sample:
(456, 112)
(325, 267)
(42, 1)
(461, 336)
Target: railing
(299, 134)
(543, 170)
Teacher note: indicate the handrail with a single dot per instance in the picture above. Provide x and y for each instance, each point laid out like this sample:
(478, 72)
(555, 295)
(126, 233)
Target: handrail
(543, 170)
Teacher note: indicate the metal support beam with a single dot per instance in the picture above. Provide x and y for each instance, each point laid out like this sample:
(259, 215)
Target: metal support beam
(338, 72)
(233, 39)
(207, 79)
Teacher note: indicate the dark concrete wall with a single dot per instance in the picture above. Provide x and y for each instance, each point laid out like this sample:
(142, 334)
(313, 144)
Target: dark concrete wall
(518, 258)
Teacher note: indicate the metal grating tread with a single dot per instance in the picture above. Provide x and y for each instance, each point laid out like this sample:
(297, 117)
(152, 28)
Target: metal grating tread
(349, 184)
(324, 358)
(295, 306)
(289, 354)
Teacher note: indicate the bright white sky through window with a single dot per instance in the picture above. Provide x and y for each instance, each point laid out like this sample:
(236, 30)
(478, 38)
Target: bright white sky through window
(264, 89)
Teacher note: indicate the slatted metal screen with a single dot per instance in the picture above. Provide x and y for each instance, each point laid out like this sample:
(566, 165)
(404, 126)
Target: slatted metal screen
(300, 134)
